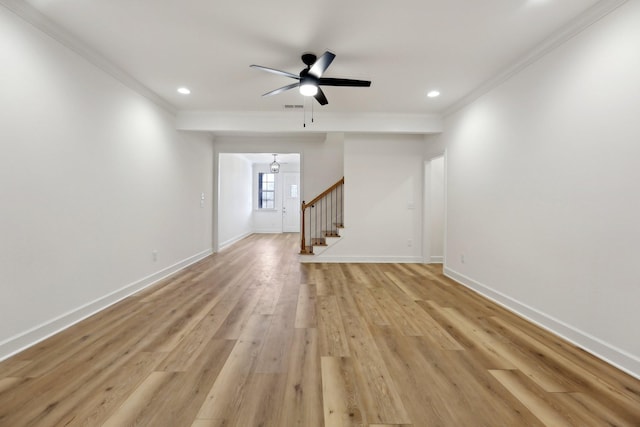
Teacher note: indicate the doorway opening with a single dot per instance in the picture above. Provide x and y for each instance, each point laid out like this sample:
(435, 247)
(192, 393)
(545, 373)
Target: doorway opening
(252, 198)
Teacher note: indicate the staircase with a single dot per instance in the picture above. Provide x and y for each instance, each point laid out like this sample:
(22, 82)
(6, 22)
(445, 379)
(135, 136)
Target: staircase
(322, 220)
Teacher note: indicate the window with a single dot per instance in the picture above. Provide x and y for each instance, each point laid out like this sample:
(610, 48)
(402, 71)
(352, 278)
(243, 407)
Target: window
(266, 191)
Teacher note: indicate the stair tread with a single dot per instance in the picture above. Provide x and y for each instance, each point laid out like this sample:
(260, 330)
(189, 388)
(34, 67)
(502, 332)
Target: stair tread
(318, 242)
(307, 251)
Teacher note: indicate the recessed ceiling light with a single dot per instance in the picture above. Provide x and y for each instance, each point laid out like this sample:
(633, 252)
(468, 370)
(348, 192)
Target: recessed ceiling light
(184, 90)
(433, 94)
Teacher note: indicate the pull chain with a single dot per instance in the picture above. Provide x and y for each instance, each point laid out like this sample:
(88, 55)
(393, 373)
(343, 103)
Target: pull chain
(304, 111)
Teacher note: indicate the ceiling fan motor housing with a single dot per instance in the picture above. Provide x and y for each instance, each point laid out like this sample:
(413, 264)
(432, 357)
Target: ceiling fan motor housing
(308, 79)
(309, 59)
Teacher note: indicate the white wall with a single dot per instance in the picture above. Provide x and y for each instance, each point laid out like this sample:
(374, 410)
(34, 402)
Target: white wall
(323, 165)
(383, 200)
(542, 176)
(93, 178)
(235, 201)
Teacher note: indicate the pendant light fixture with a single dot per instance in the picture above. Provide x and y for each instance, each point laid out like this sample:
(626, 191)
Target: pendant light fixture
(275, 166)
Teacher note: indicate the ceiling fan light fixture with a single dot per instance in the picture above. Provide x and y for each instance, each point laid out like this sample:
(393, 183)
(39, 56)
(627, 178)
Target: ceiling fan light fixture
(275, 166)
(308, 84)
(308, 89)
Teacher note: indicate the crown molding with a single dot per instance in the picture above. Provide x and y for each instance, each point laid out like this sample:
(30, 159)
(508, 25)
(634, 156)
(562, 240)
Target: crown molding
(573, 28)
(34, 17)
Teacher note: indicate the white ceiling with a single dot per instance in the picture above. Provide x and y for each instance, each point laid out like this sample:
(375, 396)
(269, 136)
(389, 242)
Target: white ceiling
(405, 47)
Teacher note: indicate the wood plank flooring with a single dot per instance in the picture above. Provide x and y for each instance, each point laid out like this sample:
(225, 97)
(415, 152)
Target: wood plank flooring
(251, 338)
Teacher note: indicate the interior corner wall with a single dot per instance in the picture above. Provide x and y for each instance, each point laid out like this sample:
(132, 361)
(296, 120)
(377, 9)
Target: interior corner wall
(435, 145)
(542, 190)
(94, 180)
(383, 200)
(235, 202)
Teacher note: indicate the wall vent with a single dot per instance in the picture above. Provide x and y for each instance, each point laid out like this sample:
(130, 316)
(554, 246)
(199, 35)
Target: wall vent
(293, 106)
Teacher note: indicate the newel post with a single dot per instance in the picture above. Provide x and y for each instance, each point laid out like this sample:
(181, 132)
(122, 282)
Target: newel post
(303, 243)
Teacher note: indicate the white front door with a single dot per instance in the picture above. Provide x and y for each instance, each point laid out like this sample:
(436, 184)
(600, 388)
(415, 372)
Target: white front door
(290, 202)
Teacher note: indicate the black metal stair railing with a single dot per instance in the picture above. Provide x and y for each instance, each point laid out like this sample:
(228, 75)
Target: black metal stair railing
(321, 217)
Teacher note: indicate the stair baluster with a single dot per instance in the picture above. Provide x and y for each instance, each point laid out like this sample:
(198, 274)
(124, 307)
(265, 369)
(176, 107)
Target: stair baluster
(321, 217)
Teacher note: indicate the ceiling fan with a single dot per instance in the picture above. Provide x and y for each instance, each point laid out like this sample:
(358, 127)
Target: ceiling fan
(310, 79)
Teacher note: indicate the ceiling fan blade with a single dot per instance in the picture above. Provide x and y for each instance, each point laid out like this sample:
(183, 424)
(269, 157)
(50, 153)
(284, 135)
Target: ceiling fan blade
(274, 71)
(321, 98)
(282, 89)
(321, 64)
(344, 82)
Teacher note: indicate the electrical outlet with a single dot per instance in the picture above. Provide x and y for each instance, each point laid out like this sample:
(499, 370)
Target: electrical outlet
(462, 258)
(410, 242)
(154, 255)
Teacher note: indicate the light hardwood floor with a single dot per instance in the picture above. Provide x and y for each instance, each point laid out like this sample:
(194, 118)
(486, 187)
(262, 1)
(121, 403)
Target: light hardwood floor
(249, 337)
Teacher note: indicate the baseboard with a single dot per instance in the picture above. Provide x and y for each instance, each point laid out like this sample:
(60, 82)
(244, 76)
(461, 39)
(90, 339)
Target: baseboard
(362, 259)
(43, 331)
(436, 260)
(617, 357)
(233, 240)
